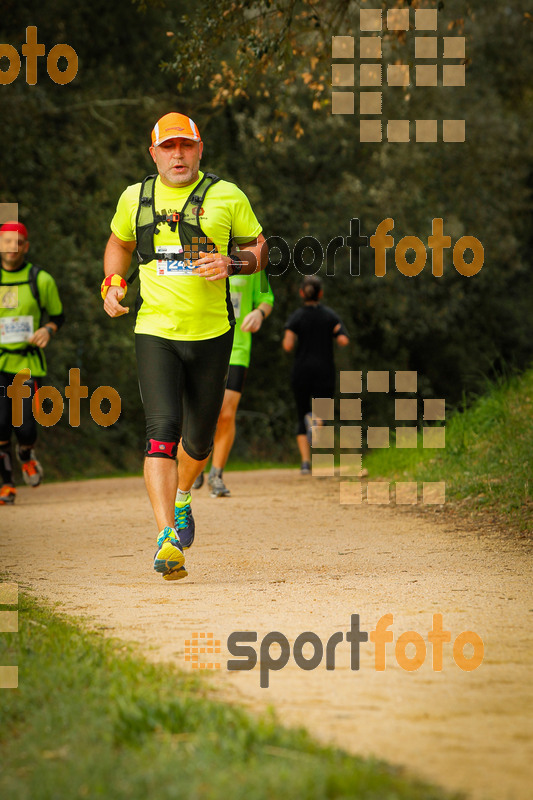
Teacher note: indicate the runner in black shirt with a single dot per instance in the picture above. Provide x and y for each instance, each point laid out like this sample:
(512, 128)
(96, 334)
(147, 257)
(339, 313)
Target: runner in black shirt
(311, 329)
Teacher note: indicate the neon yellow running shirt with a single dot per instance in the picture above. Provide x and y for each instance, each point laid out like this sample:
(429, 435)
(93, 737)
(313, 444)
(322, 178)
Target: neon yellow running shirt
(186, 307)
(17, 304)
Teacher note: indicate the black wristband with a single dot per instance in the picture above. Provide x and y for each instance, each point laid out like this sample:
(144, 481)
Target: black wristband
(50, 329)
(236, 265)
(262, 312)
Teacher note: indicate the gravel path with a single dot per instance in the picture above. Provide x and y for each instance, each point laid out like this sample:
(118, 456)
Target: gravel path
(283, 555)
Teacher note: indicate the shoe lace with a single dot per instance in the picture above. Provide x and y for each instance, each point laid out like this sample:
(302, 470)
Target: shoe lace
(167, 533)
(182, 516)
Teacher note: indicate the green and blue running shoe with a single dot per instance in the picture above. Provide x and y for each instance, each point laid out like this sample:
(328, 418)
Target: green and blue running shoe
(169, 558)
(184, 522)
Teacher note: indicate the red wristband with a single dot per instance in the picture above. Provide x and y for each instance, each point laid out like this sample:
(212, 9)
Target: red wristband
(113, 280)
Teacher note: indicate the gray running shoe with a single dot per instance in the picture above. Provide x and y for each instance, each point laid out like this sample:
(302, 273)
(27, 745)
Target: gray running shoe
(32, 472)
(218, 487)
(199, 482)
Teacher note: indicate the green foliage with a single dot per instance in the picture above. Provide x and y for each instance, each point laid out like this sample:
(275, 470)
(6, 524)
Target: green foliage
(487, 459)
(256, 78)
(89, 720)
(67, 153)
(307, 174)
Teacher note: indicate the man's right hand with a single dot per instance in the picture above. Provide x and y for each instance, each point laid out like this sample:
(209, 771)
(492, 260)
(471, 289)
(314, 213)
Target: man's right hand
(117, 259)
(112, 302)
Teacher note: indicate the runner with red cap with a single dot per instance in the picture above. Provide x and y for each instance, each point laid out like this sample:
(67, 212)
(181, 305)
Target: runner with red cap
(16, 227)
(185, 226)
(28, 296)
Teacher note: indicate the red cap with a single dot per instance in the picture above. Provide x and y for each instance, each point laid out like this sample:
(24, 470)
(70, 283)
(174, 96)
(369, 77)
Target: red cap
(15, 226)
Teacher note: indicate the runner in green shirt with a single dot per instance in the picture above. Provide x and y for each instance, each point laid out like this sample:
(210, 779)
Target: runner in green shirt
(251, 307)
(27, 294)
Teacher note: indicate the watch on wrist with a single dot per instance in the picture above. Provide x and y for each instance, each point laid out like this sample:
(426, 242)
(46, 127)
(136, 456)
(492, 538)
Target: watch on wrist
(236, 266)
(50, 330)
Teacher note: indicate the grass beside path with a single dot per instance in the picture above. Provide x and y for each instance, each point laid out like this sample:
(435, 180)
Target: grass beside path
(487, 460)
(89, 720)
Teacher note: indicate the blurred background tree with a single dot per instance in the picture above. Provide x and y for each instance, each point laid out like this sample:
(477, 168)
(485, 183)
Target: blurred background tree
(256, 77)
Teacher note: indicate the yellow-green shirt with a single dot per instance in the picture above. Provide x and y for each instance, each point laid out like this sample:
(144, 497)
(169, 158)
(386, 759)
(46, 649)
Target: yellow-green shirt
(186, 307)
(246, 295)
(20, 317)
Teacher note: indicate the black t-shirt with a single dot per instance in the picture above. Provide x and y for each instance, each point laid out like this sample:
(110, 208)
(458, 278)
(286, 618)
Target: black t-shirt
(313, 325)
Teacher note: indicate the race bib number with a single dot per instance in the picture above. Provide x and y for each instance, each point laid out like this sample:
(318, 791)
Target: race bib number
(167, 266)
(9, 296)
(236, 303)
(15, 329)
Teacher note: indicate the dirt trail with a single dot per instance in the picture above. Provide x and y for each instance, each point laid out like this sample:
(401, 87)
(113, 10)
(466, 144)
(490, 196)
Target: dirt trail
(283, 555)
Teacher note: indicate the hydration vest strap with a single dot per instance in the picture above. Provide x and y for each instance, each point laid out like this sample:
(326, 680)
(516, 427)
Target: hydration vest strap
(146, 199)
(210, 179)
(32, 282)
(132, 275)
(147, 220)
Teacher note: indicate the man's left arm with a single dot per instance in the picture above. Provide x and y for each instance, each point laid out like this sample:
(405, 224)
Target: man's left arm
(251, 257)
(252, 253)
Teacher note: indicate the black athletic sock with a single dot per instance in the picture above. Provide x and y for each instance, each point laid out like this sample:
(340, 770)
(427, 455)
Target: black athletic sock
(6, 464)
(24, 453)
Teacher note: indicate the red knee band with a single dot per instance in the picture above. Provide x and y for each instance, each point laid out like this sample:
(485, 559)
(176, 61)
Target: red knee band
(165, 449)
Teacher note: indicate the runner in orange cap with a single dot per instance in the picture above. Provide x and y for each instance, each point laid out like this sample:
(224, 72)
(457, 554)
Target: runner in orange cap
(174, 125)
(181, 223)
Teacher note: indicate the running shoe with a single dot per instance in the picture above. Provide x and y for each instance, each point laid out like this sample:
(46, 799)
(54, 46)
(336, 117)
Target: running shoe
(218, 487)
(199, 482)
(305, 469)
(169, 558)
(32, 472)
(184, 523)
(7, 495)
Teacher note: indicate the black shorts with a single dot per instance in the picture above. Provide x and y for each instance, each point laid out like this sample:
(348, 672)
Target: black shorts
(182, 386)
(27, 432)
(236, 378)
(307, 385)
